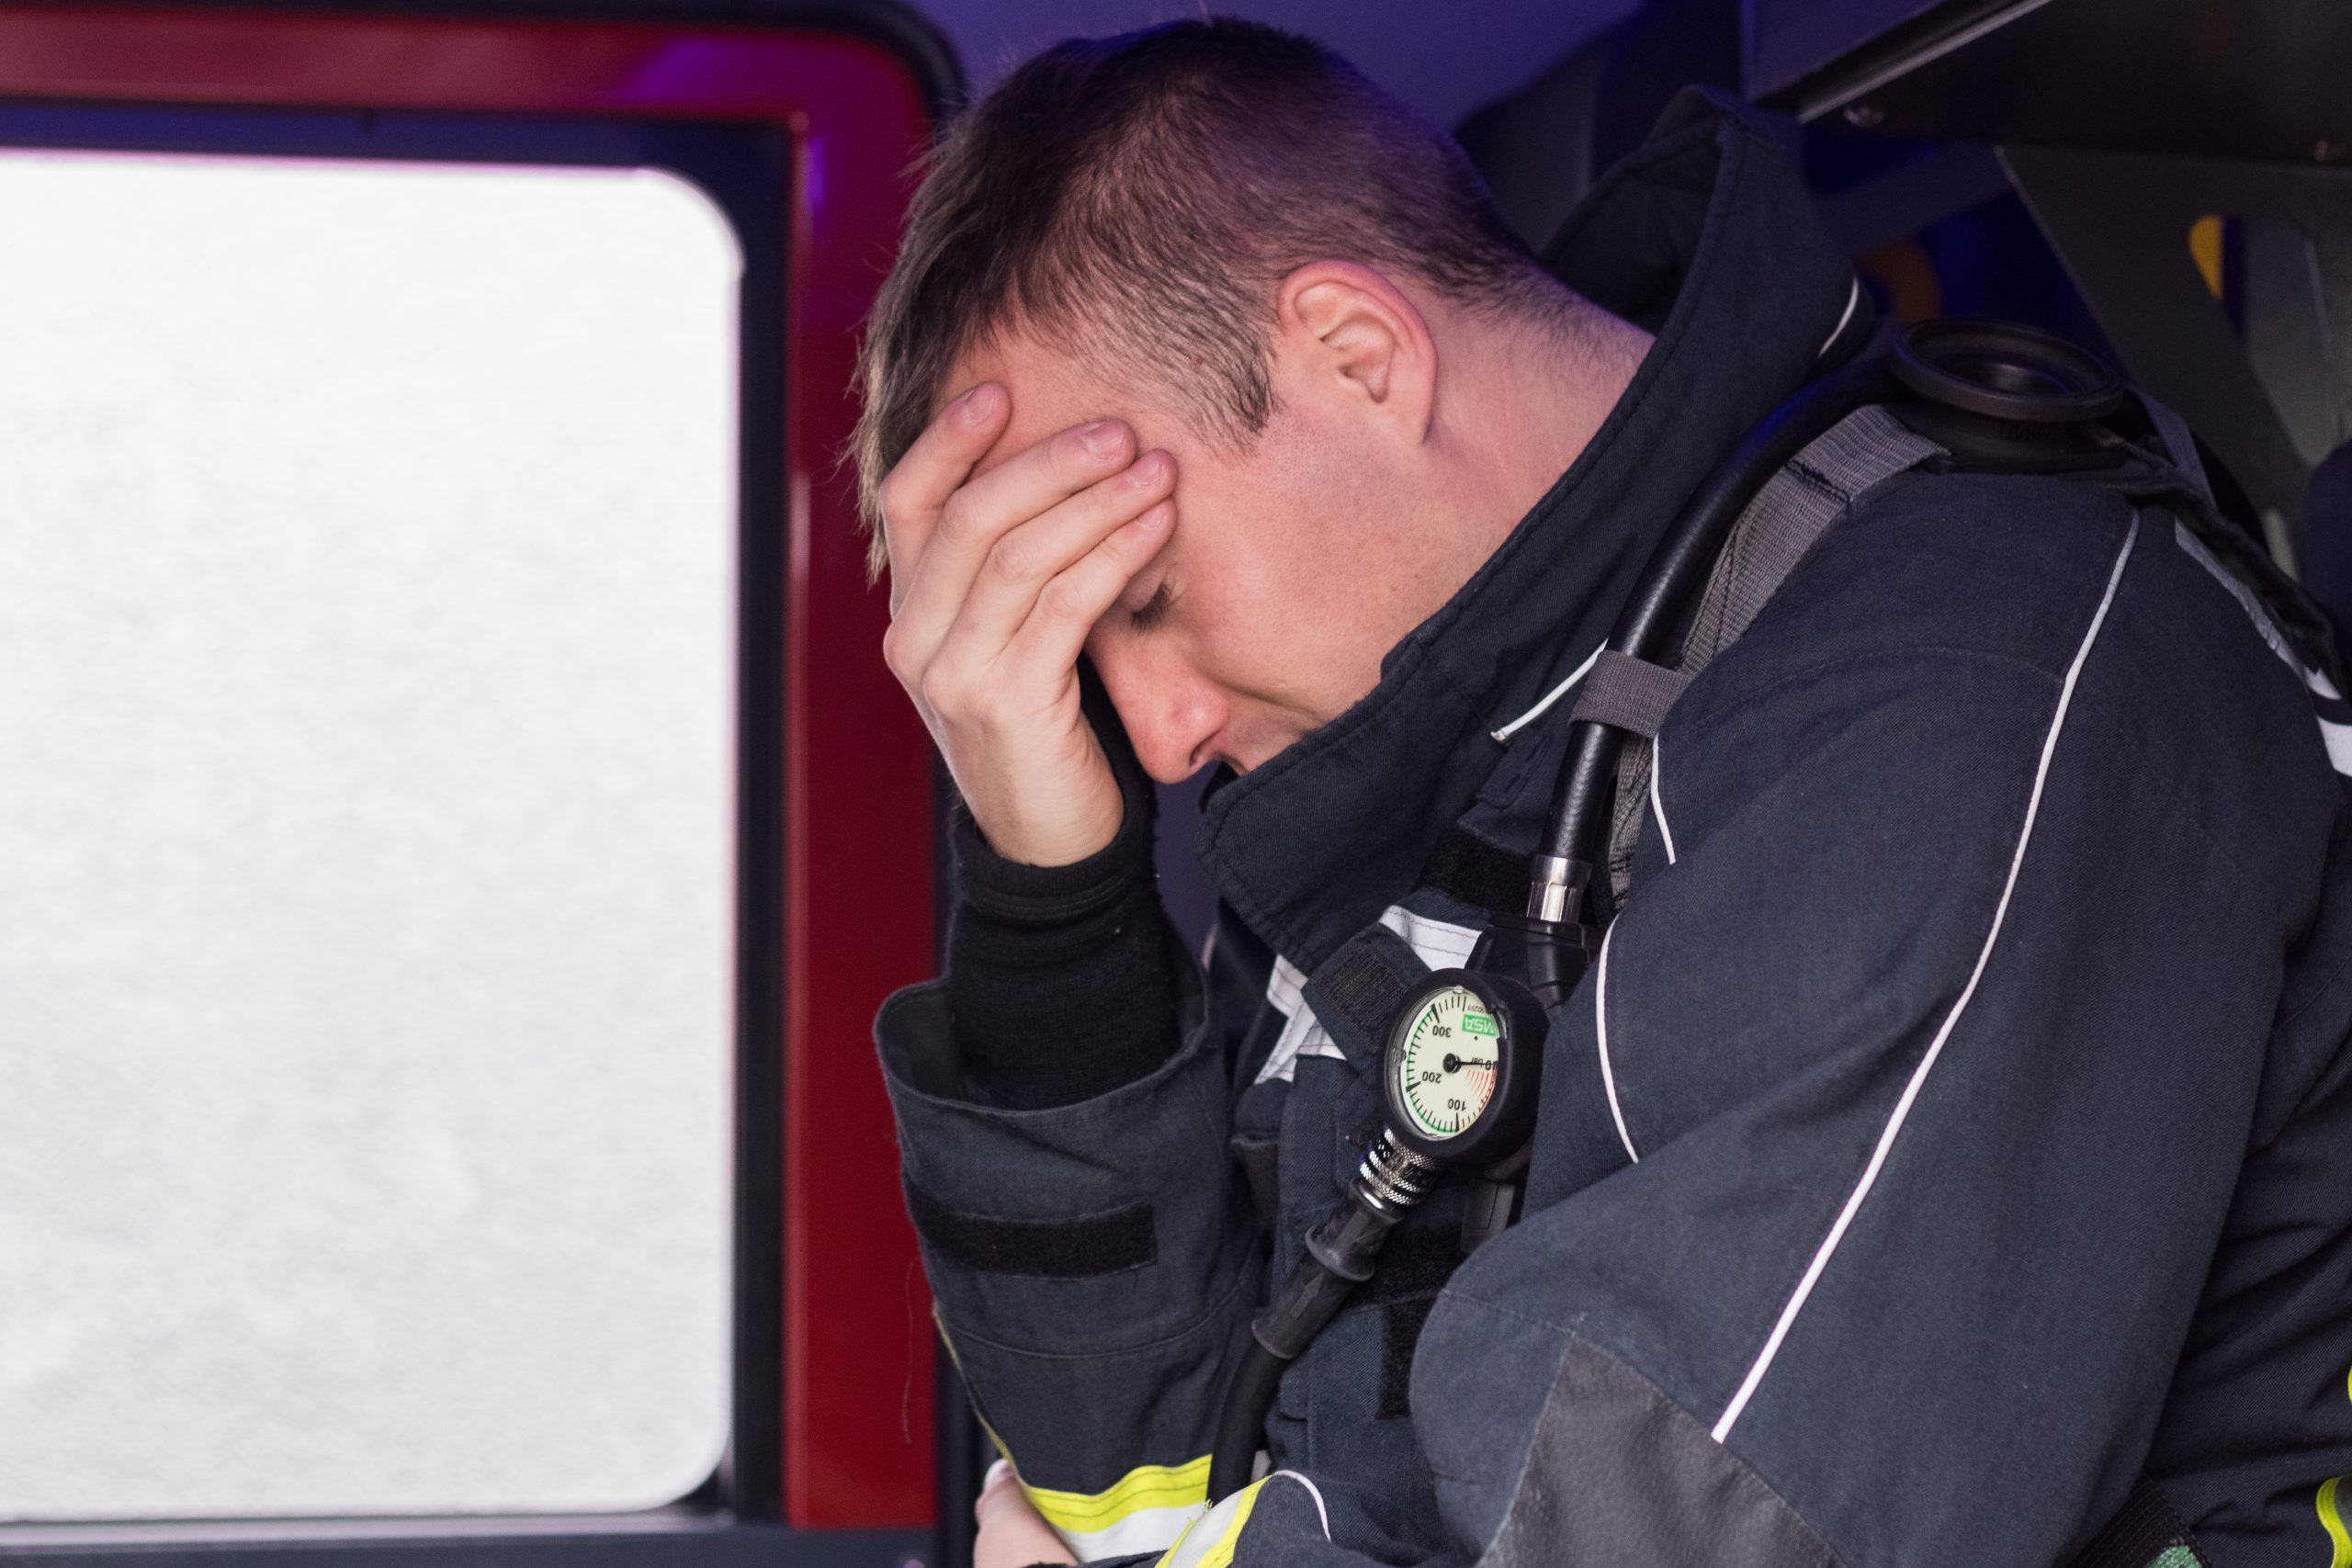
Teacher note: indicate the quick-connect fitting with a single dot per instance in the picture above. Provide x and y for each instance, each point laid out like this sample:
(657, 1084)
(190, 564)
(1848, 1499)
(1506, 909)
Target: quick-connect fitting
(1392, 1178)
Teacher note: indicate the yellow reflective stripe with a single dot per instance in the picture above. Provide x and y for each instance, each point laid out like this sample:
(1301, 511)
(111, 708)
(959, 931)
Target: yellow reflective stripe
(1147, 1486)
(1218, 1532)
(1139, 1512)
(2332, 1519)
(2330, 1516)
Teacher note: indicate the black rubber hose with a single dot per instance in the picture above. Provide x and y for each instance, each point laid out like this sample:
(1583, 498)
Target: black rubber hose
(1247, 1399)
(1338, 1257)
(1577, 828)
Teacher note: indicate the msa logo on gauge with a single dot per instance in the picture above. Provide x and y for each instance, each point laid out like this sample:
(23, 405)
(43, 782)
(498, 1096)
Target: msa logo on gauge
(1458, 1089)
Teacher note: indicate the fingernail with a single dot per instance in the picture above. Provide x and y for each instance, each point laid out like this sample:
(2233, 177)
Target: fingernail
(973, 406)
(1101, 439)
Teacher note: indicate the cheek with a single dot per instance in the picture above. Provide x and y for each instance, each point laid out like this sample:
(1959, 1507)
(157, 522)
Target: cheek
(1300, 571)
(1253, 637)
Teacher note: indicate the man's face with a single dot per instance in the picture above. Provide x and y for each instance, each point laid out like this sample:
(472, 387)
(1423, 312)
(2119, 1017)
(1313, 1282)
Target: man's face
(1293, 566)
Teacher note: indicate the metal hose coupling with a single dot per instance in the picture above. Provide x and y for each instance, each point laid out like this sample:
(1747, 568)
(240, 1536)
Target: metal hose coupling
(1392, 1178)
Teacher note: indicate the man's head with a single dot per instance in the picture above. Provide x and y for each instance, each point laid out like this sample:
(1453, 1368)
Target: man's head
(1224, 236)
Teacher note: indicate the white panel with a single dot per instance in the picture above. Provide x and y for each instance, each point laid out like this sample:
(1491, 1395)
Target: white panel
(366, 622)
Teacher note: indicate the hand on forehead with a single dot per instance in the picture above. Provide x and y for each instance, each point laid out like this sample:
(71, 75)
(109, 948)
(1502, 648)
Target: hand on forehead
(1051, 393)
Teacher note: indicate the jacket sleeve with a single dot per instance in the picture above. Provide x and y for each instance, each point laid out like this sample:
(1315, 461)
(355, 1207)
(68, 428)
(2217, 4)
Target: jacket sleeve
(1091, 1268)
(1887, 1145)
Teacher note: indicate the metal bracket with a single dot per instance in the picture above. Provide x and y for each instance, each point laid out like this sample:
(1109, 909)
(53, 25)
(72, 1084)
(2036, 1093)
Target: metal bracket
(2120, 223)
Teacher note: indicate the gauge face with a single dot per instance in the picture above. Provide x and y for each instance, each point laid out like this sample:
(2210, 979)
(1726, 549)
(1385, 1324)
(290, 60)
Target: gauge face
(1445, 1062)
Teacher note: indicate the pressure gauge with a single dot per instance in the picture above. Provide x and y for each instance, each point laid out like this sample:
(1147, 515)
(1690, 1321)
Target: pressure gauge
(1460, 1068)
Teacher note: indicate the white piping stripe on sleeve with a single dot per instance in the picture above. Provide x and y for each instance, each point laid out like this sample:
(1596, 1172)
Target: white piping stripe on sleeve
(1313, 1491)
(1657, 807)
(1553, 695)
(1935, 1048)
(1853, 297)
(1601, 1029)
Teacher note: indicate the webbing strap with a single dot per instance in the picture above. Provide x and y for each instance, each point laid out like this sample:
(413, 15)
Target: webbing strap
(2146, 1532)
(1820, 485)
(2180, 444)
(1789, 516)
(1365, 990)
(1631, 694)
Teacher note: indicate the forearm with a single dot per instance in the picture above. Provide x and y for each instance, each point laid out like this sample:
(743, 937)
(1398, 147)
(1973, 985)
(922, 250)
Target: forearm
(1091, 1265)
(1061, 980)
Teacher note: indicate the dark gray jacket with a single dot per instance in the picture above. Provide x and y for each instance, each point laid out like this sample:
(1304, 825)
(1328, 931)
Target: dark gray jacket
(1960, 1121)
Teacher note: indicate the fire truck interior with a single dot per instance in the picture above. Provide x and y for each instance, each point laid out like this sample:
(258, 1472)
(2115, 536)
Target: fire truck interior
(456, 826)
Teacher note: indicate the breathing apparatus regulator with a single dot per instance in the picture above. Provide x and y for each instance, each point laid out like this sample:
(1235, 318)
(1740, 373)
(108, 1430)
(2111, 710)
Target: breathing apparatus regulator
(1463, 1054)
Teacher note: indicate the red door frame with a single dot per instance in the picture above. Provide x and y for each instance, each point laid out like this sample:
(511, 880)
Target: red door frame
(857, 1448)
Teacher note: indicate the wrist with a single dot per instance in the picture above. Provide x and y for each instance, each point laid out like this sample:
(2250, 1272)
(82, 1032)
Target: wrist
(1064, 839)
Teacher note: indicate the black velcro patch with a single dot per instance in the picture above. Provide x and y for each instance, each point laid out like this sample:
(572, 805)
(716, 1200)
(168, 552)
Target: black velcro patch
(1476, 870)
(1416, 1262)
(1367, 990)
(1400, 1332)
(1108, 1242)
(1413, 1268)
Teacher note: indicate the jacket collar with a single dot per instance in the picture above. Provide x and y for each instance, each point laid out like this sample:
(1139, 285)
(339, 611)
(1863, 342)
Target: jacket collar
(1707, 237)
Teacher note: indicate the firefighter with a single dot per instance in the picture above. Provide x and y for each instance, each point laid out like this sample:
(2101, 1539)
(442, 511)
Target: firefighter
(1957, 1123)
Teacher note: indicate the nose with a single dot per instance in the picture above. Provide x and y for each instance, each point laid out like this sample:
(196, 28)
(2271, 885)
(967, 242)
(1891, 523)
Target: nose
(1172, 716)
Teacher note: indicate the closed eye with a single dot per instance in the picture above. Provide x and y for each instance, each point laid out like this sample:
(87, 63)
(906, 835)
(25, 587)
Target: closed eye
(1152, 611)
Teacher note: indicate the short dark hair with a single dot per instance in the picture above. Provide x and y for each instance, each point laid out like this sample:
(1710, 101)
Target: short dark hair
(1140, 198)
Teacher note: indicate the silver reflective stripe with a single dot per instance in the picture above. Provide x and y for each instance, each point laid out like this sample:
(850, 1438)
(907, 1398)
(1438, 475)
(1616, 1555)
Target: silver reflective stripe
(1302, 1035)
(1441, 944)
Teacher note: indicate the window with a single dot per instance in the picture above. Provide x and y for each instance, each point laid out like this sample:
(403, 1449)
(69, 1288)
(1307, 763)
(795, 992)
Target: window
(456, 706)
(368, 584)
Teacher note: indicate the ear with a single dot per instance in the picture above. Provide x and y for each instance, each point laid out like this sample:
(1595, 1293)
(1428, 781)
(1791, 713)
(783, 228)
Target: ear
(1350, 337)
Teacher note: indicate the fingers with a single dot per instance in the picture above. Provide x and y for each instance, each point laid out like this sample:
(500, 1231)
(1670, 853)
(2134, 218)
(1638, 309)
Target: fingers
(994, 1485)
(943, 457)
(1024, 559)
(1013, 1534)
(997, 578)
(1067, 607)
(969, 521)
(999, 674)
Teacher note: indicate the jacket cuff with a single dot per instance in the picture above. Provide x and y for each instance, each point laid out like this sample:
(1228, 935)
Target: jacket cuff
(1061, 980)
(1090, 1227)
